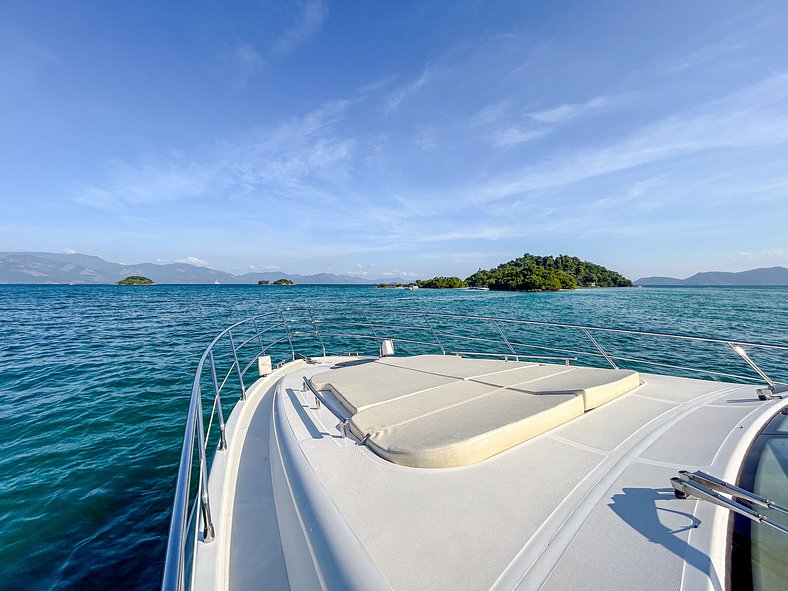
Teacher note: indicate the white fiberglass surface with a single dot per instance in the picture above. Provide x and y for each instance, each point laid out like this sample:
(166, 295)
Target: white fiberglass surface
(549, 504)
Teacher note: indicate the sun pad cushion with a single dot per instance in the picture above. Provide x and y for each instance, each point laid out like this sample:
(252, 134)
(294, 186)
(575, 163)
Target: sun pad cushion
(435, 411)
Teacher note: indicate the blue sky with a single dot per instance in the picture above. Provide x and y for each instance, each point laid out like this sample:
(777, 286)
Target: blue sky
(397, 139)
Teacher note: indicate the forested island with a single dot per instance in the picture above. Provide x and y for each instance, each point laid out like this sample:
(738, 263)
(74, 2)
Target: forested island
(536, 273)
(547, 273)
(442, 283)
(263, 282)
(135, 280)
(283, 282)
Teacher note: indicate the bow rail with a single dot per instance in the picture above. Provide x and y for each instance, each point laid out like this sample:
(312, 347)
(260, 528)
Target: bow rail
(299, 332)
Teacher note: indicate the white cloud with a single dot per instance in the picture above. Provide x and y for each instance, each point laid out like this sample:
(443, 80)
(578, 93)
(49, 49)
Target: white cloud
(566, 112)
(245, 64)
(193, 261)
(515, 134)
(396, 97)
(636, 192)
(308, 23)
(706, 54)
(755, 116)
(770, 256)
(277, 162)
(69, 251)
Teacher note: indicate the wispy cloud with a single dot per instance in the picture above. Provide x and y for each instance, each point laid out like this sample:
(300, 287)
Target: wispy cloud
(400, 94)
(22, 61)
(246, 63)
(503, 125)
(310, 19)
(639, 191)
(705, 55)
(193, 261)
(515, 134)
(247, 60)
(272, 163)
(566, 111)
(755, 116)
(769, 256)
(491, 114)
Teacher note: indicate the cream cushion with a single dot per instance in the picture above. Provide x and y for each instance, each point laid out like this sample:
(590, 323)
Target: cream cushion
(453, 366)
(466, 433)
(361, 386)
(596, 386)
(434, 411)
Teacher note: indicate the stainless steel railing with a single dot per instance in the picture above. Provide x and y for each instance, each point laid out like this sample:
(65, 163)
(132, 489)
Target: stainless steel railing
(297, 332)
(320, 399)
(709, 488)
(195, 517)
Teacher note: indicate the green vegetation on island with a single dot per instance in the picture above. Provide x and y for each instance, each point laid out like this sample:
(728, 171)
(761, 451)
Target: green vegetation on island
(263, 282)
(135, 280)
(546, 273)
(442, 283)
(283, 282)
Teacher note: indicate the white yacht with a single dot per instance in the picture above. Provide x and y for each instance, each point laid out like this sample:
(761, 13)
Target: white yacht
(376, 449)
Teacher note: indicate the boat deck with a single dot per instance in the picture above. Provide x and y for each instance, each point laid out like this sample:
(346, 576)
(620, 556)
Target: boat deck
(541, 515)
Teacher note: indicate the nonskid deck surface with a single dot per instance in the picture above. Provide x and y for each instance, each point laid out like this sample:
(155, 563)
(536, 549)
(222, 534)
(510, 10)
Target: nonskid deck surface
(543, 514)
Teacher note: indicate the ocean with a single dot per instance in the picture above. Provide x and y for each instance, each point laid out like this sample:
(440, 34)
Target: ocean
(95, 383)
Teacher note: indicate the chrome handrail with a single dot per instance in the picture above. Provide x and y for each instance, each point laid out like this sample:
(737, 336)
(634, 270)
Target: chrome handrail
(315, 327)
(710, 488)
(515, 356)
(175, 575)
(343, 422)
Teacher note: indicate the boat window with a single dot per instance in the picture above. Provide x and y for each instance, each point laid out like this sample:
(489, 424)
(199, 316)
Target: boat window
(759, 554)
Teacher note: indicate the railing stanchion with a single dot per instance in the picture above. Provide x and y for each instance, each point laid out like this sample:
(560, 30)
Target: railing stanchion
(371, 326)
(257, 334)
(208, 532)
(434, 334)
(237, 365)
(289, 337)
(317, 332)
(218, 397)
(772, 389)
(503, 336)
(599, 347)
(739, 350)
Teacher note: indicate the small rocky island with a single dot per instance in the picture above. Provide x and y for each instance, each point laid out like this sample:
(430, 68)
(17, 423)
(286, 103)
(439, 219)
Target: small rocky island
(283, 282)
(135, 280)
(264, 282)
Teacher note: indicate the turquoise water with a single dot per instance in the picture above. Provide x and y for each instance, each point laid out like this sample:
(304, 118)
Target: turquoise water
(95, 382)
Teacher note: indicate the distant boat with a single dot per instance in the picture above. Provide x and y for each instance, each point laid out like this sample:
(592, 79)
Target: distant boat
(477, 288)
(216, 283)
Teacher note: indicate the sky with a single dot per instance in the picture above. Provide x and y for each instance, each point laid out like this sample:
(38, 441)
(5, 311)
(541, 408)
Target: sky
(397, 139)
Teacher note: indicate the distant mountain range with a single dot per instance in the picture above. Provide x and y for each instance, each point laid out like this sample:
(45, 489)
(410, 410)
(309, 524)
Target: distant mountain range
(48, 267)
(763, 276)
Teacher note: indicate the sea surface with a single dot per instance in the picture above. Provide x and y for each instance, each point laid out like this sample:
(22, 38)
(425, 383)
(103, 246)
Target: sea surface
(95, 384)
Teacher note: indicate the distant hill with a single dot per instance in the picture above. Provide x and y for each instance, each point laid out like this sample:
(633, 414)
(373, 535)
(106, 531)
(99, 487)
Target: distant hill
(762, 276)
(56, 268)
